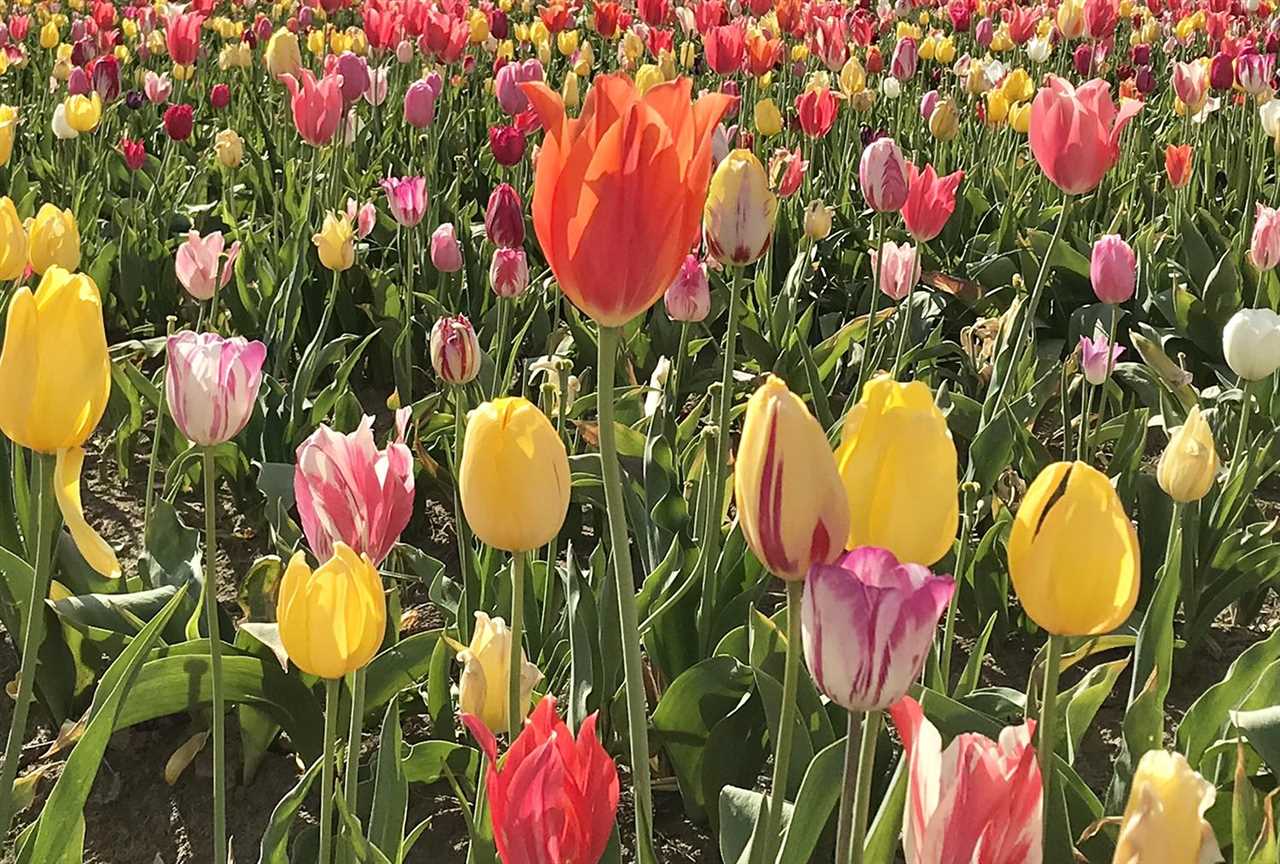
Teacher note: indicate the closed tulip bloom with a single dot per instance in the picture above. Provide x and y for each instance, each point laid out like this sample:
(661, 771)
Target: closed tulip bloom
(1189, 461)
(200, 266)
(282, 55)
(212, 384)
(354, 71)
(1177, 165)
(768, 118)
(182, 37)
(905, 57)
(83, 113)
(508, 144)
(157, 87)
(53, 240)
(791, 505)
(506, 85)
(336, 242)
(228, 148)
(1073, 553)
(689, 297)
(508, 272)
(446, 253)
(1113, 269)
(178, 121)
(816, 110)
(897, 269)
(331, 620)
(882, 174)
(317, 106)
(1251, 343)
(817, 220)
(553, 798)
(13, 242)
(930, 201)
(504, 217)
(1075, 132)
(737, 221)
(1096, 361)
(899, 467)
(944, 122)
(406, 199)
(1264, 246)
(868, 622)
(8, 129)
(513, 476)
(1254, 71)
(1020, 118)
(419, 105)
(455, 350)
(977, 800)
(1164, 819)
(615, 243)
(482, 687)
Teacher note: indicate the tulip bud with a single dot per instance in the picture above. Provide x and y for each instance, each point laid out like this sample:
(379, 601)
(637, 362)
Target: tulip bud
(1264, 247)
(1189, 462)
(1113, 269)
(446, 253)
(83, 113)
(1251, 343)
(1177, 165)
(504, 217)
(1073, 553)
(569, 91)
(220, 96)
(689, 297)
(791, 506)
(54, 240)
(212, 384)
(331, 620)
(1164, 819)
(817, 220)
(228, 147)
(768, 118)
(882, 173)
(8, 126)
(482, 688)
(513, 475)
(508, 272)
(455, 350)
(13, 242)
(336, 242)
(738, 218)
(419, 105)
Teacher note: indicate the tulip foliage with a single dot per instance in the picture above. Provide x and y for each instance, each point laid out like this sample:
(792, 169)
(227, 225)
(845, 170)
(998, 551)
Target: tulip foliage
(818, 431)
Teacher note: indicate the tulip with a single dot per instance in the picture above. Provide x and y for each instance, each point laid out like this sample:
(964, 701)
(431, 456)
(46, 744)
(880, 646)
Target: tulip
(725, 47)
(977, 800)
(354, 71)
(1075, 132)
(1177, 165)
(317, 106)
(930, 201)
(336, 242)
(508, 273)
(1096, 360)
(1020, 118)
(506, 85)
(768, 118)
(482, 688)
(54, 240)
(13, 242)
(504, 217)
(1264, 247)
(331, 620)
(899, 467)
(791, 505)
(1222, 73)
(1113, 269)
(882, 174)
(106, 78)
(282, 55)
(816, 110)
(446, 253)
(376, 93)
(8, 127)
(610, 272)
(868, 622)
(689, 297)
(157, 87)
(1251, 343)
(182, 37)
(507, 144)
(455, 350)
(228, 148)
(1254, 72)
(419, 105)
(348, 491)
(786, 171)
(1164, 819)
(199, 263)
(178, 122)
(513, 475)
(738, 218)
(897, 268)
(1189, 462)
(1073, 553)
(406, 199)
(817, 220)
(555, 797)
(220, 96)
(83, 113)
(944, 122)
(212, 384)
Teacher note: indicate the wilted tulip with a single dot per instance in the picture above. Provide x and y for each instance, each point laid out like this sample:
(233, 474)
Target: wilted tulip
(1096, 360)
(504, 217)
(13, 242)
(53, 240)
(482, 687)
(508, 272)
(1075, 132)
(1264, 246)
(897, 269)
(446, 253)
(331, 620)
(689, 297)
(406, 199)
(1251, 343)
(882, 174)
(455, 350)
(1164, 819)
(791, 505)
(737, 221)
(513, 475)
(899, 467)
(1189, 462)
(200, 266)
(336, 242)
(930, 201)
(212, 384)
(868, 622)
(1073, 553)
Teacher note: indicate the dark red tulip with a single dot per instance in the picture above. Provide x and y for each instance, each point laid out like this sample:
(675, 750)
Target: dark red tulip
(220, 96)
(178, 120)
(507, 144)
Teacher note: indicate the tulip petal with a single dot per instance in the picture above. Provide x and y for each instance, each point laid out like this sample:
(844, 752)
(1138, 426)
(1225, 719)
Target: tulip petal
(19, 362)
(66, 486)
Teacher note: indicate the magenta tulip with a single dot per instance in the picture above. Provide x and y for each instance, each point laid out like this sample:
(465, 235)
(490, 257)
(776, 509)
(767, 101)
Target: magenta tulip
(406, 199)
(1113, 269)
(689, 297)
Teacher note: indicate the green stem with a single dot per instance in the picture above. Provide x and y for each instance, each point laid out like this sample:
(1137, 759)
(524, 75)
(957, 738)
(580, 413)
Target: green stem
(786, 722)
(215, 658)
(468, 605)
(1046, 732)
(869, 341)
(326, 770)
(904, 310)
(156, 435)
(1086, 404)
(351, 773)
(42, 559)
(848, 791)
(1242, 432)
(962, 554)
(515, 712)
(637, 719)
(866, 761)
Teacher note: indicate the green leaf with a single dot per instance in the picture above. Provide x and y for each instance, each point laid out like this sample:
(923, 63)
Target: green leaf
(431, 761)
(1208, 716)
(1261, 728)
(973, 666)
(274, 848)
(1080, 704)
(390, 788)
(817, 798)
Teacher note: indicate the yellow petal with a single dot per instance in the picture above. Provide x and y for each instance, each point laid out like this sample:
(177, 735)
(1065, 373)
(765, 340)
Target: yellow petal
(66, 486)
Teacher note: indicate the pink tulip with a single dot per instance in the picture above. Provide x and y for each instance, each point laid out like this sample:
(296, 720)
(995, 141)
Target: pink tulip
(406, 199)
(506, 85)
(376, 93)
(509, 272)
(1254, 72)
(1113, 269)
(689, 297)
(362, 216)
(446, 254)
(78, 83)
(199, 261)
(897, 269)
(1264, 249)
(157, 87)
(212, 384)
(930, 201)
(1095, 360)
(351, 492)
(317, 106)
(928, 102)
(455, 350)
(1191, 84)
(978, 800)
(354, 71)
(882, 173)
(905, 56)
(419, 105)
(1075, 132)
(182, 37)
(786, 171)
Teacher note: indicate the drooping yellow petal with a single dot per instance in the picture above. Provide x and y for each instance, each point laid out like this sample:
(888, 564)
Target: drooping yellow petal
(66, 486)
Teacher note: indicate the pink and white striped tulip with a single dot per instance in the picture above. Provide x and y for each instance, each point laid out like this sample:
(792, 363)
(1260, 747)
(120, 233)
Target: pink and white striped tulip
(882, 173)
(978, 800)
(455, 350)
(1264, 246)
(212, 384)
(351, 492)
(867, 623)
(897, 269)
(406, 199)
(198, 261)
(509, 272)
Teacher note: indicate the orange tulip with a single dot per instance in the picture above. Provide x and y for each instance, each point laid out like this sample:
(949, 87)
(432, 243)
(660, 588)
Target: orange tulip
(618, 192)
(1177, 164)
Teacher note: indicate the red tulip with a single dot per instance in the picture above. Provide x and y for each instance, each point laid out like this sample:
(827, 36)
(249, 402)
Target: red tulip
(507, 144)
(134, 152)
(317, 106)
(1075, 132)
(182, 36)
(816, 109)
(605, 18)
(726, 48)
(555, 797)
(1100, 18)
(504, 217)
(930, 201)
(220, 96)
(1177, 164)
(178, 121)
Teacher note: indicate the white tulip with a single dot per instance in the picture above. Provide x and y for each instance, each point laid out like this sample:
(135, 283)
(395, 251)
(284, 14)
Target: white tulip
(61, 127)
(891, 88)
(1269, 114)
(1251, 342)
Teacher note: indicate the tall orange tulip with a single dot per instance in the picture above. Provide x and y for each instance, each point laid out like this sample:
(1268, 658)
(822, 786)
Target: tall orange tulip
(618, 192)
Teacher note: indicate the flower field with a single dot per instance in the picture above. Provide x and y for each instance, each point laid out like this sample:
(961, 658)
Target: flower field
(757, 431)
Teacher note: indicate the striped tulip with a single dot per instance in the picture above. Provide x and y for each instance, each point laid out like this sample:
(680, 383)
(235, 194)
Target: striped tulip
(212, 384)
(882, 173)
(455, 350)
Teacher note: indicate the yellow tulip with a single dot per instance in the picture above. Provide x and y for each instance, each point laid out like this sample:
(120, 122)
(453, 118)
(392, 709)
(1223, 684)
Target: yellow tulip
(1190, 461)
(768, 118)
(84, 112)
(817, 220)
(929, 47)
(567, 42)
(1018, 86)
(315, 42)
(228, 147)
(184, 73)
(738, 218)
(336, 242)
(282, 55)
(357, 42)
(1073, 553)
(632, 46)
(155, 43)
(1020, 117)
(13, 242)
(49, 35)
(648, 76)
(853, 78)
(899, 468)
(482, 687)
(331, 620)
(514, 475)
(791, 505)
(569, 90)
(667, 65)
(538, 33)
(1000, 40)
(946, 50)
(688, 55)
(997, 107)
(54, 240)
(944, 122)
(478, 26)
(1071, 19)
(799, 52)
(1164, 819)
(8, 129)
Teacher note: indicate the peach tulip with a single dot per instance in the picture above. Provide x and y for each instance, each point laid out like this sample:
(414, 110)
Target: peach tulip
(1075, 132)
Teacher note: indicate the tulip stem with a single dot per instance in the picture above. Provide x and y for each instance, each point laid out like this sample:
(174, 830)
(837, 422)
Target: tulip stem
(1242, 432)
(637, 719)
(351, 773)
(215, 658)
(515, 712)
(786, 722)
(868, 344)
(1045, 742)
(326, 769)
(40, 548)
(962, 555)
(844, 829)
(866, 762)
(904, 313)
(469, 602)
